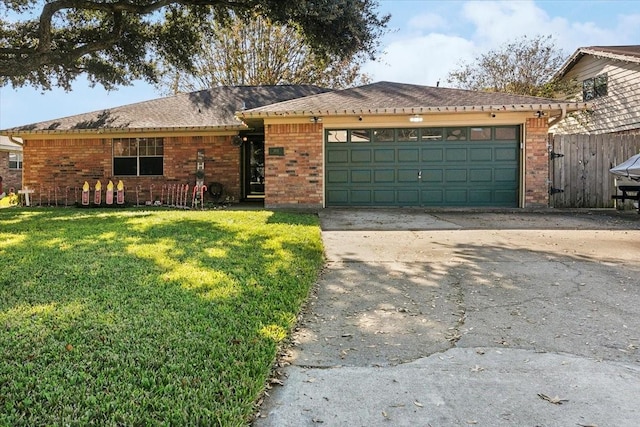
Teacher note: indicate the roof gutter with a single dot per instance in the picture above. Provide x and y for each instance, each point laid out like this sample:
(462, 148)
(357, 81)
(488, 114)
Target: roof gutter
(563, 106)
(15, 141)
(563, 114)
(11, 133)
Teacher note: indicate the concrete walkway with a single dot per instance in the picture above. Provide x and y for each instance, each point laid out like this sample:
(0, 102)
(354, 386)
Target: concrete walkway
(460, 318)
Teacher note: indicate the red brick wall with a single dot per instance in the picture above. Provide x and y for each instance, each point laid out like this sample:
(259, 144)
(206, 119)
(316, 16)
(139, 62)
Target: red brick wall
(11, 178)
(536, 163)
(57, 169)
(294, 180)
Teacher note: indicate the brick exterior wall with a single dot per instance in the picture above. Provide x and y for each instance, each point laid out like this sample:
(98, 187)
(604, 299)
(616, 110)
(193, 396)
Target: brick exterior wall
(56, 169)
(294, 180)
(11, 178)
(536, 163)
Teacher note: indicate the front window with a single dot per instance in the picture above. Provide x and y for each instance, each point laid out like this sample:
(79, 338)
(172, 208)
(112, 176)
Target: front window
(595, 87)
(138, 156)
(15, 161)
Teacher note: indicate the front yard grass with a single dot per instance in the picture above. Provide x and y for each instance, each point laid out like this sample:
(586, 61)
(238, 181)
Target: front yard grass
(158, 317)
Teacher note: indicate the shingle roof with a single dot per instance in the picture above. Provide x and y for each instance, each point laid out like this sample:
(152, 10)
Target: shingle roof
(213, 108)
(399, 98)
(629, 53)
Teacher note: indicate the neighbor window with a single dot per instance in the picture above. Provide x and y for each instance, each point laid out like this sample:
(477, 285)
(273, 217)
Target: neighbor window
(138, 156)
(15, 161)
(595, 87)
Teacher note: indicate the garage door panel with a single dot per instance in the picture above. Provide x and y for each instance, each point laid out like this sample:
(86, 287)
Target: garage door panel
(411, 155)
(481, 175)
(337, 156)
(455, 196)
(481, 154)
(338, 197)
(361, 156)
(361, 176)
(384, 155)
(384, 176)
(337, 176)
(361, 196)
(432, 155)
(432, 175)
(432, 197)
(408, 175)
(455, 175)
(480, 197)
(384, 197)
(506, 197)
(409, 197)
(456, 154)
(505, 175)
(506, 154)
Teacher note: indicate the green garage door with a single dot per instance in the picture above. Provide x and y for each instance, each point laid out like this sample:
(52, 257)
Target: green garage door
(454, 166)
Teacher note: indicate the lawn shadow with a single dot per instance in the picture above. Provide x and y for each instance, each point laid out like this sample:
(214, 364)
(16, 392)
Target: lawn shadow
(184, 308)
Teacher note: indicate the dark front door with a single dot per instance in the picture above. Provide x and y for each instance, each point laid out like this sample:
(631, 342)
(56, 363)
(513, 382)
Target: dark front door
(253, 153)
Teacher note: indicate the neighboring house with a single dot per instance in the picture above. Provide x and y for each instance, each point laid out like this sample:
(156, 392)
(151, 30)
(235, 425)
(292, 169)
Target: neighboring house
(383, 144)
(609, 77)
(10, 165)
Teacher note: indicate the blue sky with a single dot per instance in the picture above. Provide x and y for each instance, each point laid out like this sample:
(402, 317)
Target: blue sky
(428, 38)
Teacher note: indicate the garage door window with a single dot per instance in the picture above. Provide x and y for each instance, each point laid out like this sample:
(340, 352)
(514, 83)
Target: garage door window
(337, 136)
(408, 135)
(506, 133)
(359, 136)
(456, 134)
(431, 134)
(403, 135)
(480, 134)
(384, 135)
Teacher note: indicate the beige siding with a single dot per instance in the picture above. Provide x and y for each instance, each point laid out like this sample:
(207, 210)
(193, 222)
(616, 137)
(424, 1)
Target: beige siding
(618, 111)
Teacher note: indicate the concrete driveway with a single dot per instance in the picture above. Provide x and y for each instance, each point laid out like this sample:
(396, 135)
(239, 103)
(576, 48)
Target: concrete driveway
(467, 318)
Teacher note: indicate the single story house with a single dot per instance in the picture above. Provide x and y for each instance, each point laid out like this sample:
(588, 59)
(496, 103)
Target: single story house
(10, 164)
(608, 77)
(382, 144)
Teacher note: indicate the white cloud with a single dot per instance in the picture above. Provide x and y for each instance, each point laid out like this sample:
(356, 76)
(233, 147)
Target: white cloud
(496, 22)
(421, 60)
(628, 28)
(418, 54)
(427, 21)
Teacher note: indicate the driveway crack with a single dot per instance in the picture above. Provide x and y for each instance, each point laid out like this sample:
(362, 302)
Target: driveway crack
(461, 313)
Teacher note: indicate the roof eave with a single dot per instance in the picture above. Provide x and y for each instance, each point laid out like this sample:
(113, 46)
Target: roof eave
(18, 132)
(575, 106)
(578, 54)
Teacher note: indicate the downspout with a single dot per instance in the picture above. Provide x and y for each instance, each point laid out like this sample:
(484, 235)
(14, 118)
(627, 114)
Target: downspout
(563, 114)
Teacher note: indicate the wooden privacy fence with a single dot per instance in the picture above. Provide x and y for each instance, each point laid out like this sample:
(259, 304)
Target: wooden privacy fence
(579, 174)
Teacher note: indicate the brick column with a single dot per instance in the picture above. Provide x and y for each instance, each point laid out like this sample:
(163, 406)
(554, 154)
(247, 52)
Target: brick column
(536, 184)
(293, 168)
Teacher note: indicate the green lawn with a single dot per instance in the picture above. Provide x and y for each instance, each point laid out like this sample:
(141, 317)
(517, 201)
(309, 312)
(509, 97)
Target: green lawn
(154, 317)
